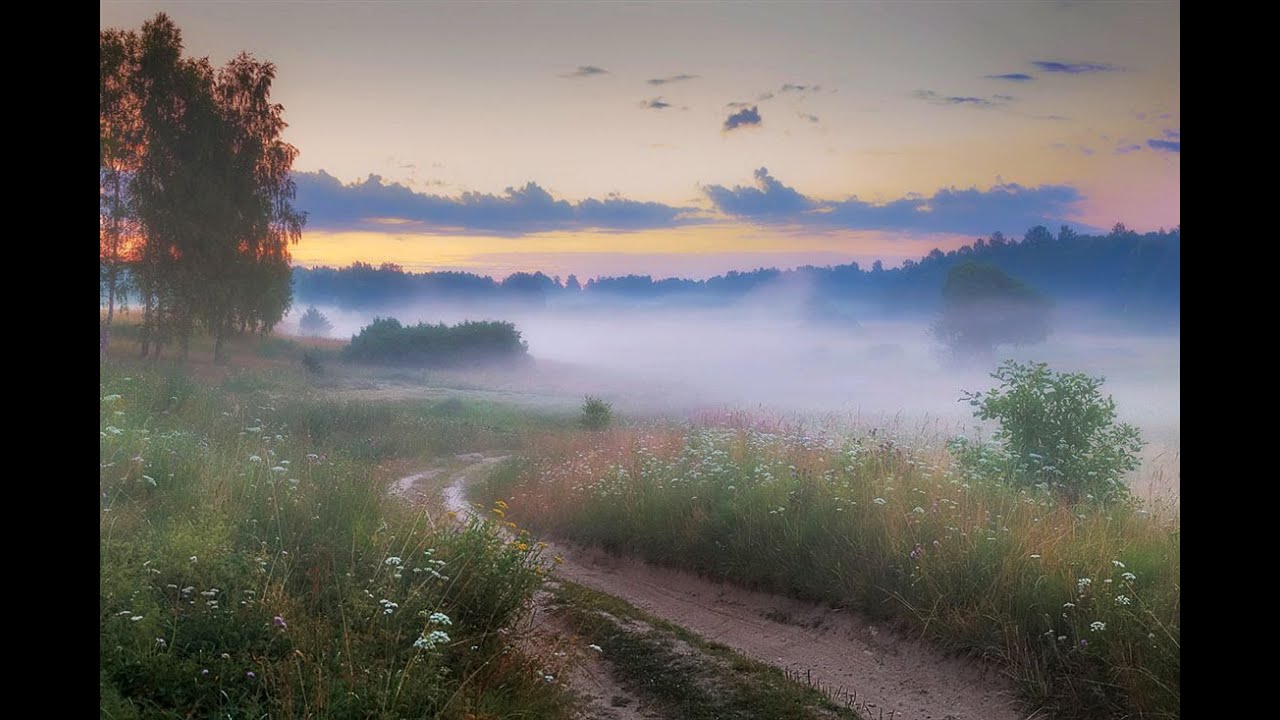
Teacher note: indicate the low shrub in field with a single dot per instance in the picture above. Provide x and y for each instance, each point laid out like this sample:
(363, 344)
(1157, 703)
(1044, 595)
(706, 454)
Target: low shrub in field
(385, 341)
(248, 568)
(1055, 430)
(596, 413)
(1079, 603)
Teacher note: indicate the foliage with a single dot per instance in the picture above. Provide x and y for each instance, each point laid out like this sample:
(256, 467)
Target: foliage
(196, 187)
(596, 413)
(983, 307)
(1056, 429)
(252, 566)
(1079, 604)
(1137, 278)
(314, 323)
(311, 363)
(386, 341)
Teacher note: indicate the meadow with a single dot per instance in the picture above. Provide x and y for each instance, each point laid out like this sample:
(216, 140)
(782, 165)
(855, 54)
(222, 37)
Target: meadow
(1078, 603)
(251, 564)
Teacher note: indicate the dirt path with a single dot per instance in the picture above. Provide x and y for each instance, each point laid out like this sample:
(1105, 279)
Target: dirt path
(838, 650)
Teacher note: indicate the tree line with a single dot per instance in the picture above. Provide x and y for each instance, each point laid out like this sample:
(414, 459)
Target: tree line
(1134, 276)
(195, 202)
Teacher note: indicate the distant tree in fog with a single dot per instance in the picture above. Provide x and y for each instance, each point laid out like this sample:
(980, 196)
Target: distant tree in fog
(984, 307)
(572, 284)
(314, 323)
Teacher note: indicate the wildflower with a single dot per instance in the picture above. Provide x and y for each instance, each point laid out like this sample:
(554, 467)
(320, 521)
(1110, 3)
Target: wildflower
(205, 672)
(429, 641)
(110, 398)
(1097, 626)
(150, 480)
(1117, 563)
(1061, 638)
(279, 622)
(1068, 605)
(918, 510)
(255, 459)
(136, 618)
(388, 607)
(1084, 643)
(879, 501)
(549, 678)
(1129, 576)
(597, 648)
(439, 618)
(160, 643)
(251, 675)
(226, 656)
(1123, 600)
(1035, 557)
(393, 560)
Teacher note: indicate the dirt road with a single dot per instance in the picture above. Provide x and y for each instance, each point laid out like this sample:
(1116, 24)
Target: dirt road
(838, 650)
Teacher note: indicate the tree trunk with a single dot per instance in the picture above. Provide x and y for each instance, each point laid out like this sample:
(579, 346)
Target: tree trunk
(147, 320)
(219, 357)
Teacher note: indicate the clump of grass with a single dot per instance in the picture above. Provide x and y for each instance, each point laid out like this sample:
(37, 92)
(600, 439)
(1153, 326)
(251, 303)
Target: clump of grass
(1079, 603)
(596, 413)
(252, 566)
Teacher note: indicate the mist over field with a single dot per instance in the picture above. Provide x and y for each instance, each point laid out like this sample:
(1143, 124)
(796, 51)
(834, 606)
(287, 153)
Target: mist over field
(768, 354)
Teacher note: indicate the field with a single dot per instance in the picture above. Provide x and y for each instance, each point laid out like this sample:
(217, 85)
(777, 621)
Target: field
(253, 560)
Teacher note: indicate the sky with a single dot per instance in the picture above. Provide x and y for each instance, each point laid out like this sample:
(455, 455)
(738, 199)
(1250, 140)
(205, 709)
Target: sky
(688, 139)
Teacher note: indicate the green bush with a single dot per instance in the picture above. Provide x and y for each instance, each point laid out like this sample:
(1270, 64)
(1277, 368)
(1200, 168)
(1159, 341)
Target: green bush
(1057, 431)
(386, 341)
(596, 413)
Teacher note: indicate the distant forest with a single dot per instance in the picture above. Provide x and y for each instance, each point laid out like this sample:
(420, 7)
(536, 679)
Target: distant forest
(1134, 277)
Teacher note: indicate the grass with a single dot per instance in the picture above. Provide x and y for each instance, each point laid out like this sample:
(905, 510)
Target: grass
(1079, 604)
(686, 676)
(251, 564)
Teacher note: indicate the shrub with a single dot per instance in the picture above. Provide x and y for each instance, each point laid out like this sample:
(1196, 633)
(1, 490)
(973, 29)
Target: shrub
(311, 363)
(1056, 429)
(314, 323)
(596, 413)
(386, 341)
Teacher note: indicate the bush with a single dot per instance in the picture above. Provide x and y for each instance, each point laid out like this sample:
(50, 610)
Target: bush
(311, 363)
(1056, 430)
(314, 323)
(386, 341)
(596, 413)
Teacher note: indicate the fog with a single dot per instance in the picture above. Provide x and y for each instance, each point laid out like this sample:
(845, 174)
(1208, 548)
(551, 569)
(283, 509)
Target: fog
(769, 355)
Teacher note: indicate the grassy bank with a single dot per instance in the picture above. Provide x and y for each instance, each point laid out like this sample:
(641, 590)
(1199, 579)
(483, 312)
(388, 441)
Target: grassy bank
(1079, 604)
(252, 566)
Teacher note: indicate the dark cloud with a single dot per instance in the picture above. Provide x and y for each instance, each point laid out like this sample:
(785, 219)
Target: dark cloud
(586, 71)
(1073, 68)
(1006, 206)
(655, 104)
(375, 204)
(747, 117)
(807, 116)
(671, 79)
(1012, 77)
(940, 99)
(1126, 148)
(768, 199)
(1172, 142)
(764, 96)
(789, 88)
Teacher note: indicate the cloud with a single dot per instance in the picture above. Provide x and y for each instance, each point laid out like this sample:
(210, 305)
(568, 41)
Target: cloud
(1012, 77)
(940, 99)
(789, 87)
(586, 71)
(1073, 68)
(769, 198)
(807, 116)
(747, 117)
(1006, 206)
(671, 79)
(1172, 142)
(655, 104)
(374, 204)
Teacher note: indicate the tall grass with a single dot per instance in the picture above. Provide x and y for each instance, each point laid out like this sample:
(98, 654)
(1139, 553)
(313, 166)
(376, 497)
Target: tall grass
(251, 565)
(1079, 604)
